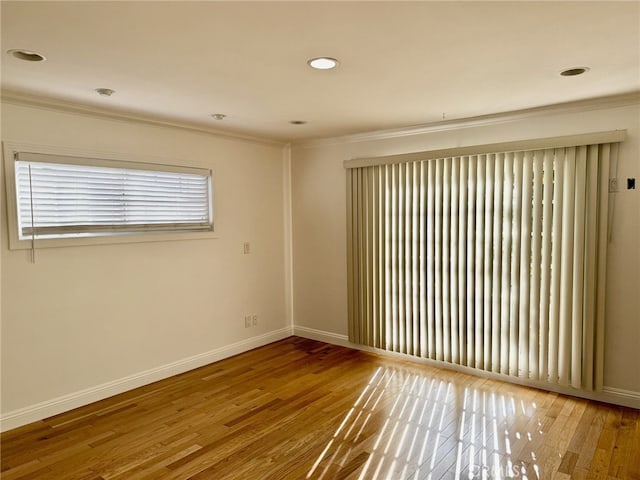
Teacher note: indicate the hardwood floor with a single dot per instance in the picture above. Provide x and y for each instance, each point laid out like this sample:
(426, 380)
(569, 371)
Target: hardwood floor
(300, 409)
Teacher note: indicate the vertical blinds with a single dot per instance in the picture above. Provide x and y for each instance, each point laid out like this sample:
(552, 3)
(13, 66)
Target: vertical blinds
(56, 198)
(489, 261)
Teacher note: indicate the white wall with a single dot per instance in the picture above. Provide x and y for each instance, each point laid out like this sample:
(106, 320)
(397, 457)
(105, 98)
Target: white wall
(84, 316)
(319, 221)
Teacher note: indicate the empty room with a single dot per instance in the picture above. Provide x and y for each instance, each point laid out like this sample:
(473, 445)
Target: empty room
(320, 240)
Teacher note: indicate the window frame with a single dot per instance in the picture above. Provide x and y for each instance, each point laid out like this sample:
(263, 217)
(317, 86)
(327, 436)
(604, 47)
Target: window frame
(101, 159)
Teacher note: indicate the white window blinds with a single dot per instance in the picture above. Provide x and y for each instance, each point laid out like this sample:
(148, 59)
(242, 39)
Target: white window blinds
(60, 196)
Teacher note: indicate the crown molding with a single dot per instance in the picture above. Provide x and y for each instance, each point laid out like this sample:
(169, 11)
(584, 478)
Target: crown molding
(597, 103)
(30, 100)
(612, 101)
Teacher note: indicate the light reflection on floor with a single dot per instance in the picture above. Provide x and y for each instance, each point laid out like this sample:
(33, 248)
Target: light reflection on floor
(414, 427)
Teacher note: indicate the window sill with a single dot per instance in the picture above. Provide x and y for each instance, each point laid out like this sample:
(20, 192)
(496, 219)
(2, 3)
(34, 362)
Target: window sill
(111, 239)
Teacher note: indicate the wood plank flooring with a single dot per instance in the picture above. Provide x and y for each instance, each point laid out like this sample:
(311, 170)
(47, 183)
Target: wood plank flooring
(300, 409)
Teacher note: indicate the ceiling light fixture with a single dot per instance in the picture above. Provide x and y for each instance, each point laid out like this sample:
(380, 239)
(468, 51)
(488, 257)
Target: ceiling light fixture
(572, 72)
(27, 55)
(218, 116)
(105, 92)
(323, 63)
(297, 122)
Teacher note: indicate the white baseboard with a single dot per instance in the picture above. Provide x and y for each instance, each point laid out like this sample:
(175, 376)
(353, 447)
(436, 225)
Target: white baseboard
(73, 400)
(619, 392)
(617, 396)
(322, 336)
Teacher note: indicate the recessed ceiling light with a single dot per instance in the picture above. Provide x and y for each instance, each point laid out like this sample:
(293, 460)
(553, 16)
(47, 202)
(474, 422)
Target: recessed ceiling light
(27, 55)
(572, 72)
(323, 63)
(297, 122)
(218, 116)
(105, 92)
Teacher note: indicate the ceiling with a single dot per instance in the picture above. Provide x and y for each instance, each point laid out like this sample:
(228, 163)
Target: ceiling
(401, 63)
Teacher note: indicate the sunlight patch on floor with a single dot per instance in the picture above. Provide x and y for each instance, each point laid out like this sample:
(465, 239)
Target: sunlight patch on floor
(415, 427)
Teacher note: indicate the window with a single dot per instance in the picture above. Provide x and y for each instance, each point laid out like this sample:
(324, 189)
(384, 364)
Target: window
(72, 197)
(488, 260)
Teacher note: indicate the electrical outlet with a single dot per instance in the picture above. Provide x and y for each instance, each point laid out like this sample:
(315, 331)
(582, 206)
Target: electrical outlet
(247, 321)
(613, 185)
(255, 320)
